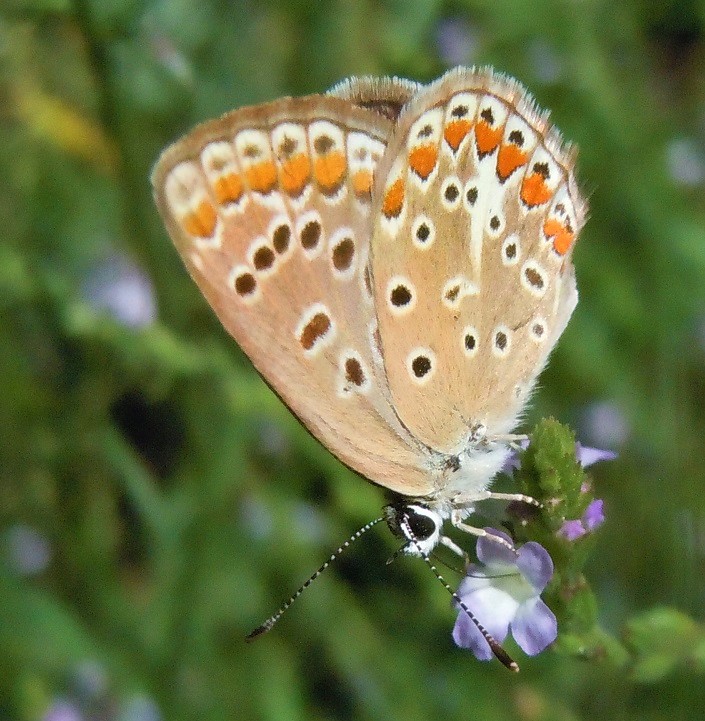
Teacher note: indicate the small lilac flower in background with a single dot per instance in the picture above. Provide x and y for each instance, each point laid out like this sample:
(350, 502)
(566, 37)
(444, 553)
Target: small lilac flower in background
(61, 710)
(544, 61)
(604, 424)
(593, 517)
(139, 708)
(457, 41)
(27, 550)
(586, 456)
(685, 160)
(122, 289)
(504, 595)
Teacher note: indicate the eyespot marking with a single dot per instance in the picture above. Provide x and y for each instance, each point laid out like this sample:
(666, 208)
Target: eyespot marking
(263, 258)
(511, 250)
(423, 232)
(469, 341)
(501, 341)
(470, 194)
(310, 232)
(450, 193)
(244, 283)
(537, 331)
(354, 376)
(315, 329)
(330, 163)
(533, 278)
(401, 295)
(421, 365)
(281, 237)
(343, 253)
(455, 290)
(394, 199)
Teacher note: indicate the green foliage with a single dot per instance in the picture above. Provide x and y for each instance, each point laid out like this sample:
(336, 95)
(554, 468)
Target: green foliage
(157, 501)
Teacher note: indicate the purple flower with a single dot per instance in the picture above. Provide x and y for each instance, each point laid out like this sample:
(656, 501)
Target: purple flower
(457, 41)
(592, 518)
(504, 595)
(62, 710)
(584, 455)
(588, 456)
(122, 289)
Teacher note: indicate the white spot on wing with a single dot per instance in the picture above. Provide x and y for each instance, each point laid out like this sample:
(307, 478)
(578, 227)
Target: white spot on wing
(423, 232)
(320, 341)
(511, 249)
(421, 365)
(400, 287)
(237, 272)
(346, 386)
(456, 289)
(501, 341)
(470, 341)
(534, 278)
(346, 236)
(538, 330)
(451, 194)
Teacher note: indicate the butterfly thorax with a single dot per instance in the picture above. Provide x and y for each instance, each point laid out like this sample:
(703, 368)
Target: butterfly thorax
(462, 480)
(458, 478)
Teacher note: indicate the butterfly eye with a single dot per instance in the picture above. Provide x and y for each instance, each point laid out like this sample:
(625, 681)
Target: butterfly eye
(421, 523)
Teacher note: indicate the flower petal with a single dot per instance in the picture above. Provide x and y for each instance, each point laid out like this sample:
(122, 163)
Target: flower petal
(493, 608)
(594, 515)
(572, 530)
(475, 580)
(467, 635)
(535, 565)
(534, 627)
(513, 463)
(492, 553)
(587, 456)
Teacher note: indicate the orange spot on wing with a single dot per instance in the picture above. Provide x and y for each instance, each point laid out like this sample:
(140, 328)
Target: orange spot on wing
(228, 189)
(262, 177)
(455, 131)
(534, 190)
(422, 160)
(394, 199)
(201, 222)
(509, 159)
(362, 184)
(562, 236)
(487, 138)
(330, 170)
(295, 173)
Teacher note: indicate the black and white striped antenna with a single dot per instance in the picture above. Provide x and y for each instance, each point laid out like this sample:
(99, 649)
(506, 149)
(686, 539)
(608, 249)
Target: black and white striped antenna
(267, 625)
(494, 645)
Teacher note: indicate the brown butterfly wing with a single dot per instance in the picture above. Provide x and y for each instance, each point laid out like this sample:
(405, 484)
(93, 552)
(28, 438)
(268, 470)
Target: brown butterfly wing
(270, 208)
(477, 213)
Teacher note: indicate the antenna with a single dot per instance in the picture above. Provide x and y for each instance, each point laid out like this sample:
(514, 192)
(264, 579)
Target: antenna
(267, 625)
(495, 647)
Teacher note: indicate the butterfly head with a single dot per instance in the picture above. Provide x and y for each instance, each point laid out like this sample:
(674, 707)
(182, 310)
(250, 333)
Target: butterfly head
(416, 523)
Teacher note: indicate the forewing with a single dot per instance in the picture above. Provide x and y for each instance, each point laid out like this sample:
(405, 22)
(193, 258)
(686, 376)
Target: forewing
(476, 214)
(269, 208)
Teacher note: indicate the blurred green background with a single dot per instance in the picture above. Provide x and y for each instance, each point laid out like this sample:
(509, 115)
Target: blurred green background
(157, 501)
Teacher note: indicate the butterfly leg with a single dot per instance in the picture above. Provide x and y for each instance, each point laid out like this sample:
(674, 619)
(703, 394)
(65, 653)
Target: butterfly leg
(453, 546)
(514, 439)
(469, 499)
(456, 518)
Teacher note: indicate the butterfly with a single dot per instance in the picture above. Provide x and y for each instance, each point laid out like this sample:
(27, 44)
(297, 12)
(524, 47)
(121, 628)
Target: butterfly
(395, 259)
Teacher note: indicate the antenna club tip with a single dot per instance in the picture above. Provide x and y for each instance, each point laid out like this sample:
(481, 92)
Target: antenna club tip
(259, 631)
